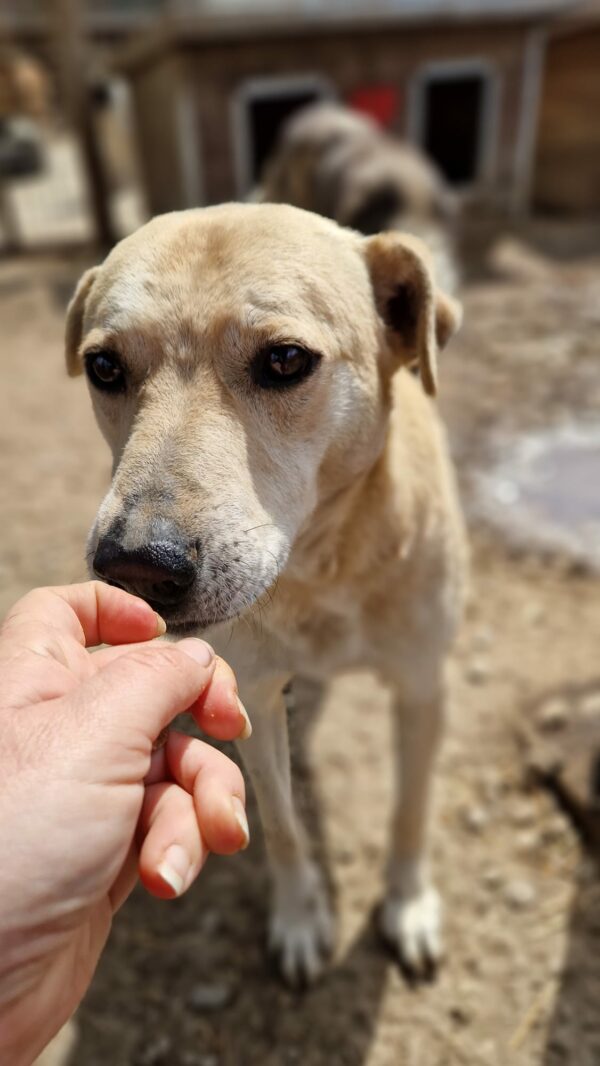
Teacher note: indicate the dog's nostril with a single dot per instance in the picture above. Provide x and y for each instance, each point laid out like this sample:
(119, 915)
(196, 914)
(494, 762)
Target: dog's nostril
(160, 571)
(169, 586)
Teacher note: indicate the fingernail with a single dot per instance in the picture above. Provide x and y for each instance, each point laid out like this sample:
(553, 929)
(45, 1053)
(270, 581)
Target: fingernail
(240, 817)
(198, 650)
(247, 729)
(161, 626)
(175, 867)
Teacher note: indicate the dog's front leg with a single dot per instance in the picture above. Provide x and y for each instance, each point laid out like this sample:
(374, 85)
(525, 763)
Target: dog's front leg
(301, 928)
(410, 914)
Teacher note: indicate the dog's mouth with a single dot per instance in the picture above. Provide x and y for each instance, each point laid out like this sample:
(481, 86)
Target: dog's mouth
(184, 629)
(181, 622)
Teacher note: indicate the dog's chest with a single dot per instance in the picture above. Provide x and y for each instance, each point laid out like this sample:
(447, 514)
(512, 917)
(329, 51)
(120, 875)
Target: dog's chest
(322, 636)
(315, 640)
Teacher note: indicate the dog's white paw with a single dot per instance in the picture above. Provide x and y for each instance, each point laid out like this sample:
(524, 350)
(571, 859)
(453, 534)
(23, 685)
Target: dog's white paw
(412, 928)
(301, 932)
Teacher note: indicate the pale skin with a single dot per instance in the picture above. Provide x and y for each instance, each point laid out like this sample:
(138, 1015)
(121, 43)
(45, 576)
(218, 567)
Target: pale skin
(87, 804)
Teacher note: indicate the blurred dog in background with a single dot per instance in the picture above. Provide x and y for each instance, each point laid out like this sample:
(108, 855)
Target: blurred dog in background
(339, 163)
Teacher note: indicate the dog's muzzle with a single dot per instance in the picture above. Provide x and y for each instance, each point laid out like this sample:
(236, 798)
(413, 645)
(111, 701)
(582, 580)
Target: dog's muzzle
(160, 571)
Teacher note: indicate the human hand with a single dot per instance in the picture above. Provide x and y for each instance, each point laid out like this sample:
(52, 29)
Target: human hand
(85, 802)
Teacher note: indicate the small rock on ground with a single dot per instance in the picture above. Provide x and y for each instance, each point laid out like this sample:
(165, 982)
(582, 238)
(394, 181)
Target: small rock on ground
(210, 997)
(520, 894)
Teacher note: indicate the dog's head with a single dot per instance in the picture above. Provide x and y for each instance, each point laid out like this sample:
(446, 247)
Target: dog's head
(239, 360)
(390, 187)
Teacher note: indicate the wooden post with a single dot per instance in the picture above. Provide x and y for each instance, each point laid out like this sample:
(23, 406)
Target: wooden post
(70, 48)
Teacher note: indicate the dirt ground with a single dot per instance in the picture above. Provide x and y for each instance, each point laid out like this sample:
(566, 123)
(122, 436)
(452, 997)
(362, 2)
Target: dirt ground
(187, 983)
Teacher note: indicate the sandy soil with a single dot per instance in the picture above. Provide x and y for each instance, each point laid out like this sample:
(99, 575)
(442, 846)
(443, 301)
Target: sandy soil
(187, 983)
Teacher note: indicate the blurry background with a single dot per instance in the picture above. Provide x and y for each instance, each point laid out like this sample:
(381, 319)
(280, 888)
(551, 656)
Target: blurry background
(113, 110)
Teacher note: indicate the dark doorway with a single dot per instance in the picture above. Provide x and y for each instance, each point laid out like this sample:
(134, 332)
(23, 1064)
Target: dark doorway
(266, 114)
(453, 125)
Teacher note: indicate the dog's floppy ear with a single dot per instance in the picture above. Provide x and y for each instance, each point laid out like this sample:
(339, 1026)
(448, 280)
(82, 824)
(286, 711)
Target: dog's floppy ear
(419, 318)
(74, 326)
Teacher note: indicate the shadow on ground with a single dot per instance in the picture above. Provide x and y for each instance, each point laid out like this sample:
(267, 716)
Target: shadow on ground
(573, 1032)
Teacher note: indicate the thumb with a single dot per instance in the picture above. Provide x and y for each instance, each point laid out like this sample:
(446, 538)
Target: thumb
(145, 689)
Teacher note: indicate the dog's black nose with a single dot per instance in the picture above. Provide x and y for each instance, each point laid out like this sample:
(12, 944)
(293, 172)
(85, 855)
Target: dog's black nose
(160, 571)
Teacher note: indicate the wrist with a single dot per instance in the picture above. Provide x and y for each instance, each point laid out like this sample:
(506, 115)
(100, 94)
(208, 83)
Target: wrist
(39, 992)
(25, 1029)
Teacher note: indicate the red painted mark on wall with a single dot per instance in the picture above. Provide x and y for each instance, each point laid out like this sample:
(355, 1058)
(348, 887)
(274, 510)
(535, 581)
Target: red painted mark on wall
(381, 102)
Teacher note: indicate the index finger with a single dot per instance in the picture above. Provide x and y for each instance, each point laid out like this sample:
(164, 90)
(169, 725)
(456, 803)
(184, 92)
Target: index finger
(91, 612)
(218, 710)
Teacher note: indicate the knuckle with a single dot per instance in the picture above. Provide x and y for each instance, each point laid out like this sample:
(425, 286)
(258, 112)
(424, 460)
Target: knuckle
(26, 604)
(158, 658)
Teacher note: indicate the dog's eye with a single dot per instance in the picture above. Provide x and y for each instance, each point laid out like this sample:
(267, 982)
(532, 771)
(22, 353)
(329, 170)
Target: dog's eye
(283, 365)
(105, 371)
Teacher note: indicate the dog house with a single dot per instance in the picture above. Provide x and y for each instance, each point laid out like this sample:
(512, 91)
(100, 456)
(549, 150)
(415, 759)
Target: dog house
(462, 80)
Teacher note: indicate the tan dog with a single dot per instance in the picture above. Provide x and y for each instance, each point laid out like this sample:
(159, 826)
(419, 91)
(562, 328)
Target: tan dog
(280, 482)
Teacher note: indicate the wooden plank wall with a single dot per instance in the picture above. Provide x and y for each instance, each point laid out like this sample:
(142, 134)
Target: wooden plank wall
(567, 166)
(350, 61)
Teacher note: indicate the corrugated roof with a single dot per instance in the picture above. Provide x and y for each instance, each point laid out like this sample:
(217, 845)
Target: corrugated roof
(193, 21)
(227, 15)
(413, 9)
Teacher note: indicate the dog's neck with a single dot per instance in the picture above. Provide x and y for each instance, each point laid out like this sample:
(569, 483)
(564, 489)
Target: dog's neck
(322, 554)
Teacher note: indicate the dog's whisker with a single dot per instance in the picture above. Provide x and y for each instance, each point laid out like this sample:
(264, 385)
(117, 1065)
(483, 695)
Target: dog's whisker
(263, 525)
(231, 632)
